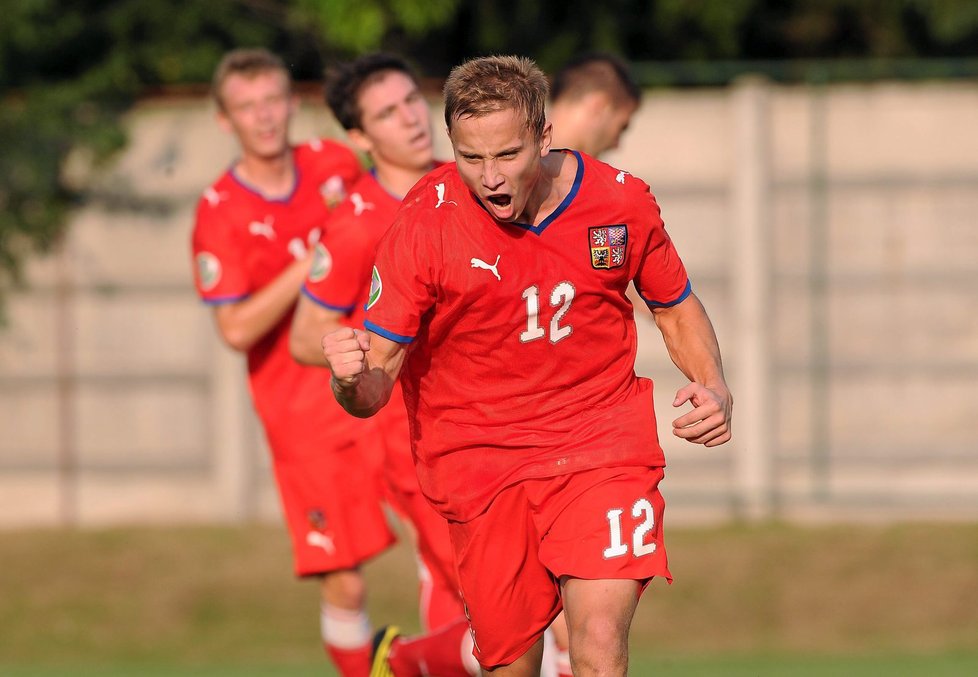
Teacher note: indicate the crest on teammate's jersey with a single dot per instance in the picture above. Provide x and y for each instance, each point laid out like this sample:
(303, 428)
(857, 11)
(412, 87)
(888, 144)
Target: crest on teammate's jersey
(208, 270)
(608, 245)
(316, 519)
(333, 191)
(376, 287)
(322, 263)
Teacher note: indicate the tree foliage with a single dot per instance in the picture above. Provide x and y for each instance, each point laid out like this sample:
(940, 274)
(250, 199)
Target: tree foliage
(70, 68)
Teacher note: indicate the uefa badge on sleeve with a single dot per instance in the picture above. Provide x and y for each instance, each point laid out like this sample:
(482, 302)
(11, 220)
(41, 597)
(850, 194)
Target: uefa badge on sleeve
(208, 270)
(322, 263)
(376, 287)
(608, 245)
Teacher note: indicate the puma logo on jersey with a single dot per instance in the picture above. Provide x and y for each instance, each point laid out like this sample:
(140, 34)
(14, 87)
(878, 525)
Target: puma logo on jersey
(440, 191)
(479, 263)
(621, 176)
(263, 228)
(359, 206)
(318, 539)
(298, 249)
(214, 198)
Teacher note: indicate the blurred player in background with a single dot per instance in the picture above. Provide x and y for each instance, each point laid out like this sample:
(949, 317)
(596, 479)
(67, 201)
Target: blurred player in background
(499, 293)
(377, 100)
(592, 102)
(251, 248)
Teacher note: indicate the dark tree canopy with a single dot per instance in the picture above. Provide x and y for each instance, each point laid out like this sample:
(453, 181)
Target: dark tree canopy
(70, 68)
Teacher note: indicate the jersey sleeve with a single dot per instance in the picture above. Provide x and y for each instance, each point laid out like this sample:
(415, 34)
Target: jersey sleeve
(661, 280)
(403, 284)
(341, 267)
(219, 272)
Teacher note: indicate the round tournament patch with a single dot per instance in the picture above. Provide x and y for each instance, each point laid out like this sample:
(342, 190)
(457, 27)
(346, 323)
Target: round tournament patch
(208, 270)
(376, 287)
(322, 263)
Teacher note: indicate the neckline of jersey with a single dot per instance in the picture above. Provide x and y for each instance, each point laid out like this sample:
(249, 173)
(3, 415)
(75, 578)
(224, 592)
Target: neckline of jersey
(255, 191)
(561, 208)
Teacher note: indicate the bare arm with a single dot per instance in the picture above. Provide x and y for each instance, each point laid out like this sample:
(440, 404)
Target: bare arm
(243, 323)
(365, 367)
(693, 347)
(309, 324)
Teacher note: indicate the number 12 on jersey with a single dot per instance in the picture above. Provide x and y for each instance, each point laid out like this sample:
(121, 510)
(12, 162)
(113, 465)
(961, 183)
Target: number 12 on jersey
(562, 295)
(618, 547)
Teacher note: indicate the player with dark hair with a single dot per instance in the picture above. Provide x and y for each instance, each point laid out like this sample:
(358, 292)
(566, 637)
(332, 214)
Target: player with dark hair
(376, 98)
(498, 298)
(592, 102)
(254, 228)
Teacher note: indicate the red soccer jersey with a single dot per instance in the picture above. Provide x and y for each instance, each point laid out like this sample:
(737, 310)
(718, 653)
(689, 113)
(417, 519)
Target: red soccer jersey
(243, 240)
(339, 280)
(522, 363)
(340, 274)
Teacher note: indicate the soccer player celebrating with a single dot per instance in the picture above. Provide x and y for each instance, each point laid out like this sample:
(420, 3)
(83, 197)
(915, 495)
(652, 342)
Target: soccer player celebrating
(592, 102)
(377, 100)
(250, 244)
(498, 297)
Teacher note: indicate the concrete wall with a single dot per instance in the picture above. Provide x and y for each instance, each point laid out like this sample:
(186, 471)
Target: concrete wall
(831, 234)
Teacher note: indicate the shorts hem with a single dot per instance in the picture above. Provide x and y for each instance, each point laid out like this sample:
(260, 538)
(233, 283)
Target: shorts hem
(512, 656)
(311, 571)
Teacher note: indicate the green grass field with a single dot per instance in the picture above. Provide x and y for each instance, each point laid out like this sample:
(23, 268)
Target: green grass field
(772, 600)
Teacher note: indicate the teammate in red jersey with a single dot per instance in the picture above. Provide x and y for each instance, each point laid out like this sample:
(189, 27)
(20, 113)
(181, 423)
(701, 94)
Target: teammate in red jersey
(498, 296)
(592, 102)
(377, 100)
(250, 243)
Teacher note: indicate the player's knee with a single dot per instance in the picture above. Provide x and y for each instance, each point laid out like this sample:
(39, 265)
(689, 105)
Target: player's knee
(597, 641)
(344, 589)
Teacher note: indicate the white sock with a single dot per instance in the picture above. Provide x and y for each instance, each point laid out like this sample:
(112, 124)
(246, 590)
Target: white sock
(344, 628)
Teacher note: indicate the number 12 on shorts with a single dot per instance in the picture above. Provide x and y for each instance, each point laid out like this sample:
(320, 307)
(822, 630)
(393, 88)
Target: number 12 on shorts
(618, 547)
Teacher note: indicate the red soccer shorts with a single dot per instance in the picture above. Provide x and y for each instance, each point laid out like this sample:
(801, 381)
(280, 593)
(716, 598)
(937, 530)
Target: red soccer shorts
(595, 524)
(331, 497)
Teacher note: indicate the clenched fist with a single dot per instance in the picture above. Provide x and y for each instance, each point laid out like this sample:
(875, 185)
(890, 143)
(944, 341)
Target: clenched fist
(345, 351)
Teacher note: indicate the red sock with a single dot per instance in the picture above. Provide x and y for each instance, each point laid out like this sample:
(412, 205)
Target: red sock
(347, 639)
(438, 653)
(351, 662)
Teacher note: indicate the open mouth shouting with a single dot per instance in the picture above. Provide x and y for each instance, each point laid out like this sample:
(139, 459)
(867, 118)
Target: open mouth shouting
(501, 206)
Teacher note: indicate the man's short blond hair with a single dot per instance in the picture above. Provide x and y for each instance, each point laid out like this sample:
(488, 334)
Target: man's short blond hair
(248, 62)
(492, 83)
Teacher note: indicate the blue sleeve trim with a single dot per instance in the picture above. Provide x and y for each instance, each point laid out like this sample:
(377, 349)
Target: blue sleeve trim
(224, 300)
(346, 310)
(668, 304)
(380, 331)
